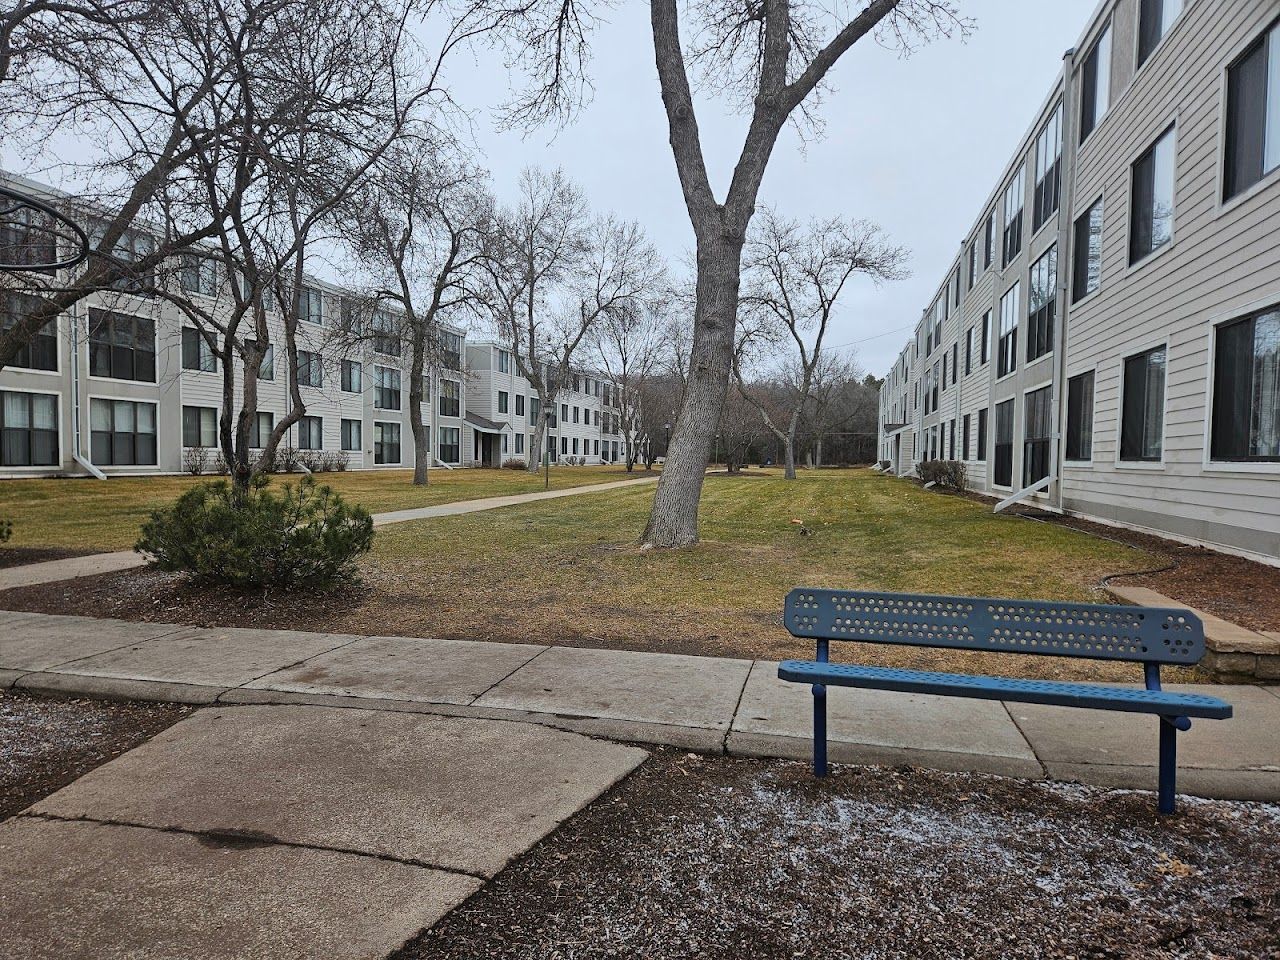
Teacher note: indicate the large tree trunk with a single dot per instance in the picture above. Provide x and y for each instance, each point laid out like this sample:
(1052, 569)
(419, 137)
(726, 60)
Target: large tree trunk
(789, 458)
(673, 521)
(536, 441)
(421, 437)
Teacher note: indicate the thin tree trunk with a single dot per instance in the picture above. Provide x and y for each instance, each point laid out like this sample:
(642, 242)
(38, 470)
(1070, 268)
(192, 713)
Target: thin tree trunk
(673, 521)
(536, 441)
(789, 458)
(421, 438)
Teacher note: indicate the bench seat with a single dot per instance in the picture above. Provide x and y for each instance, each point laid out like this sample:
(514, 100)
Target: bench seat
(1059, 693)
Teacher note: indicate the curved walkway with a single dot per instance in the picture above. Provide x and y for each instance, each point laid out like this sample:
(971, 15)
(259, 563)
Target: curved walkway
(697, 703)
(93, 564)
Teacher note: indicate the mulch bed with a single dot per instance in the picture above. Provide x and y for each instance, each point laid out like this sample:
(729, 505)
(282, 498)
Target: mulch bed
(716, 858)
(47, 742)
(21, 556)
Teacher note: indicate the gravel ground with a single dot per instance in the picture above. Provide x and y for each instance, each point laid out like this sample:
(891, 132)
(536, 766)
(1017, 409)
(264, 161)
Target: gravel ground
(45, 743)
(719, 858)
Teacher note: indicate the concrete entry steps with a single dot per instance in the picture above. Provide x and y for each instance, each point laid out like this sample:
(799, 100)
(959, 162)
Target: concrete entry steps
(287, 831)
(698, 703)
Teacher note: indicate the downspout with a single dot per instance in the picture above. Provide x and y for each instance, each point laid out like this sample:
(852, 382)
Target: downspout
(1066, 255)
(77, 444)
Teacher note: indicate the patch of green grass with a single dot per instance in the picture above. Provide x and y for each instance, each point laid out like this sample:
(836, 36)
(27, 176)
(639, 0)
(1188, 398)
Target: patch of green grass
(571, 568)
(107, 514)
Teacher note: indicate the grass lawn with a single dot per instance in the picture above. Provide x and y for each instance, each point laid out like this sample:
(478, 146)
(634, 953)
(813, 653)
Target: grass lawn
(86, 514)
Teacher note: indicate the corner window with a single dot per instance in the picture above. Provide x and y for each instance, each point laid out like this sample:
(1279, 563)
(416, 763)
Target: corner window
(1095, 84)
(1246, 389)
(1048, 170)
(1253, 114)
(1080, 417)
(1151, 210)
(1013, 200)
(1086, 268)
(1142, 413)
(1042, 297)
(1007, 348)
(1155, 17)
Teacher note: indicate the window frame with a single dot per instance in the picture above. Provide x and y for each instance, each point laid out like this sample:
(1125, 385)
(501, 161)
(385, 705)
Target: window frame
(1170, 129)
(1092, 374)
(1256, 465)
(1011, 355)
(31, 430)
(399, 443)
(135, 433)
(1139, 60)
(1268, 38)
(1041, 322)
(1106, 33)
(1142, 463)
(1100, 205)
(307, 420)
(200, 411)
(136, 319)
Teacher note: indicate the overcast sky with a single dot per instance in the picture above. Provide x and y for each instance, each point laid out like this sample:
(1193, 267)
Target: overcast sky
(914, 144)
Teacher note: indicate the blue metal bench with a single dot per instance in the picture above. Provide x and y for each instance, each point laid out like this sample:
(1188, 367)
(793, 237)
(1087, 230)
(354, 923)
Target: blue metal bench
(1146, 635)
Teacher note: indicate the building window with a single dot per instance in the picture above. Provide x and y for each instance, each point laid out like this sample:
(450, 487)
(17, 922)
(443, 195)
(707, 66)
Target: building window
(533, 411)
(451, 350)
(1003, 472)
(519, 443)
(351, 439)
(1246, 389)
(1151, 213)
(955, 361)
(503, 401)
(310, 371)
(1035, 436)
(1080, 417)
(1154, 19)
(28, 429)
(130, 249)
(386, 334)
(973, 264)
(264, 423)
(196, 352)
(1253, 114)
(122, 433)
(1013, 200)
(450, 399)
(968, 351)
(311, 433)
(310, 305)
(198, 274)
(575, 446)
(564, 445)
(1048, 170)
(989, 241)
(351, 382)
(121, 346)
(1095, 84)
(964, 448)
(1042, 300)
(1142, 415)
(450, 444)
(519, 404)
(40, 352)
(981, 453)
(386, 388)
(386, 443)
(1086, 270)
(199, 427)
(986, 337)
(1007, 348)
(28, 238)
(267, 366)
(504, 361)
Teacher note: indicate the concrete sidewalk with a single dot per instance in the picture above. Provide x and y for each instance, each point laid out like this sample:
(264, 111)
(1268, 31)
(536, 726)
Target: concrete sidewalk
(698, 703)
(93, 564)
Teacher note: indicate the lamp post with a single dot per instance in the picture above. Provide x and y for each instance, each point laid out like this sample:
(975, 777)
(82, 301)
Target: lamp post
(546, 444)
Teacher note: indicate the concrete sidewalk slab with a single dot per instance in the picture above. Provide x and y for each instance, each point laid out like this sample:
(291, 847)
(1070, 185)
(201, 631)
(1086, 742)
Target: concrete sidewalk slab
(51, 571)
(403, 668)
(623, 685)
(495, 503)
(876, 726)
(40, 642)
(222, 657)
(465, 795)
(87, 891)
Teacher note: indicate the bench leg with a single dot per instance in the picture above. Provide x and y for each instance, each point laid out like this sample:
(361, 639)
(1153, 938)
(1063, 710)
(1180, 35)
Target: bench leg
(819, 730)
(1168, 764)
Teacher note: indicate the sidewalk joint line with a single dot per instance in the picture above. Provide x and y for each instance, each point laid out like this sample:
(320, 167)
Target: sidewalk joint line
(491, 686)
(287, 666)
(737, 705)
(1044, 769)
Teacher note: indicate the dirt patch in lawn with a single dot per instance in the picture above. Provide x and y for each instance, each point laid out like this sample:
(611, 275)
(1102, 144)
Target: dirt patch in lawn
(756, 860)
(47, 742)
(395, 603)
(21, 556)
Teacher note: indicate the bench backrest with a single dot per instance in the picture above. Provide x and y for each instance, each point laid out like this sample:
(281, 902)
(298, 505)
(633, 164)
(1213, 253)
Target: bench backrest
(1095, 630)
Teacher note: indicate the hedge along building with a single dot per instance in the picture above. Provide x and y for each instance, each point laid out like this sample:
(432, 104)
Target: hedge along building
(123, 384)
(1107, 341)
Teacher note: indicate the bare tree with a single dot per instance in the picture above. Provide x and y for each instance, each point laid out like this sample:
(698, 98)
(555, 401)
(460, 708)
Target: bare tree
(553, 274)
(796, 275)
(770, 57)
(630, 349)
(421, 224)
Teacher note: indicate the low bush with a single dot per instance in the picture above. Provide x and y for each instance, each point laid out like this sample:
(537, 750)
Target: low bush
(6, 530)
(304, 536)
(195, 460)
(332, 461)
(286, 460)
(514, 463)
(945, 473)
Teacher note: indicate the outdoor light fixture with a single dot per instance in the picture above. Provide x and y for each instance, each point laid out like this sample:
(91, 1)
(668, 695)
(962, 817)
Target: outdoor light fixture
(546, 443)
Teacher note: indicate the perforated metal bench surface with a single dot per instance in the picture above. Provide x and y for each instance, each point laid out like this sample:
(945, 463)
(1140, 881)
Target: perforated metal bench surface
(1055, 692)
(1146, 635)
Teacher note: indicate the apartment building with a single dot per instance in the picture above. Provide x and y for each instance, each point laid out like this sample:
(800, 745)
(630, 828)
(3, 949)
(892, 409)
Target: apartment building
(1107, 340)
(123, 384)
(504, 413)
